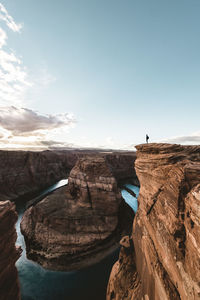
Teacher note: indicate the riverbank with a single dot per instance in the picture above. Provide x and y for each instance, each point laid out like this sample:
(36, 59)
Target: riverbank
(37, 283)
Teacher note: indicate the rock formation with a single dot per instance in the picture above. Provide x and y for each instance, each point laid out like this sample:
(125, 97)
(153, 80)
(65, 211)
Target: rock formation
(25, 173)
(9, 254)
(122, 166)
(164, 262)
(78, 224)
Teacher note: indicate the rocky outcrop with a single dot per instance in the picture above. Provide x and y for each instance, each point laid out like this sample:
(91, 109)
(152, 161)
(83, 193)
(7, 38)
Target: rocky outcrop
(26, 173)
(124, 279)
(122, 166)
(9, 254)
(166, 230)
(78, 224)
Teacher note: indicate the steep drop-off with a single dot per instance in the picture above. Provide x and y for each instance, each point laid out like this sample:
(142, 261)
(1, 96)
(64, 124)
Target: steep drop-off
(9, 254)
(78, 224)
(23, 173)
(26, 173)
(164, 262)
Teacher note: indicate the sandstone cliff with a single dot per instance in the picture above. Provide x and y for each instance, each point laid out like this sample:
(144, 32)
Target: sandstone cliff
(164, 262)
(122, 166)
(9, 254)
(25, 173)
(78, 224)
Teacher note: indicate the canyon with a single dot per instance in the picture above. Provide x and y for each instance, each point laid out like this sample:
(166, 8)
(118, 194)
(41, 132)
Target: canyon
(78, 224)
(26, 173)
(82, 222)
(161, 259)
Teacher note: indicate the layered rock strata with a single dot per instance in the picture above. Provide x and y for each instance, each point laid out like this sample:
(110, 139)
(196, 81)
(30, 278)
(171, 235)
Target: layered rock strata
(78, 224)
(124, 279)
(26, 173)
(166, 229)
(9, 254)
(122, 166)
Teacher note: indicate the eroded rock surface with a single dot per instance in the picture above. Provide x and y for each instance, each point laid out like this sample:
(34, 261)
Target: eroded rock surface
(26, 173)
(166, 229)
(9, 254)
(78, 224)
(124, 279)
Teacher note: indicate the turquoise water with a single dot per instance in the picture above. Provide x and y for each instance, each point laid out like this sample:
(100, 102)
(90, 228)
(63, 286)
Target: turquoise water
(130, 200)
(37, 283)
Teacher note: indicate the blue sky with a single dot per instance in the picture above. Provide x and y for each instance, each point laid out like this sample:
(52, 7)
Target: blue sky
(99, 73)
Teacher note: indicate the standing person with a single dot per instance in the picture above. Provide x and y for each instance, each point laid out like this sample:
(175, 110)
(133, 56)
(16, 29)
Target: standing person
(147, 138)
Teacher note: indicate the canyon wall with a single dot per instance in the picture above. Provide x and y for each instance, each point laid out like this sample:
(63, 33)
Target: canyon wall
(9, 254)
(23, 173)
(161, 260)
(80, 223)
(26, 173)
(122, 166)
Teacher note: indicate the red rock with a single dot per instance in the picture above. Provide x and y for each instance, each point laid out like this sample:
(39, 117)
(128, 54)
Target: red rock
(78, 224)
(26, 173)
(9, 254)
(166, 229)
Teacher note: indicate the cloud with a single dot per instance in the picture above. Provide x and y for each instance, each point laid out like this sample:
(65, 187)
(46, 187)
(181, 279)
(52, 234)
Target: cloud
(20, 121)
(188, 139)
(13, 76)
(15, 79)
(22, 128)
(14, 144)
(9, 19)
(3, 38)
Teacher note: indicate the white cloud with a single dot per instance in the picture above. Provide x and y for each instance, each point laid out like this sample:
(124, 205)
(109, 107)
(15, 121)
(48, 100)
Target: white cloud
(4, 16)
(20, 121)
(24, 128)
(3, 38)
(192, 139)
(13, 75)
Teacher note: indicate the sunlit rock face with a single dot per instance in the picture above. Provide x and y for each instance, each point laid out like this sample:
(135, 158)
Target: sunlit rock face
(9, 254)
(78, 224)
(166, 229)
(124, 280)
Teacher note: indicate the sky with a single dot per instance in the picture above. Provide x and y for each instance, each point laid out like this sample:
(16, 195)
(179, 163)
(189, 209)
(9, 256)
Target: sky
(99, 73)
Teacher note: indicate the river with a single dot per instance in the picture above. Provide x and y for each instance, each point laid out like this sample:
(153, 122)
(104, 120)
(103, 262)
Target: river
(37, 283)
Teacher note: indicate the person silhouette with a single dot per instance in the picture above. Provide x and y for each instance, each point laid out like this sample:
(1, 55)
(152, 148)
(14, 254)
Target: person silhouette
(147, 138)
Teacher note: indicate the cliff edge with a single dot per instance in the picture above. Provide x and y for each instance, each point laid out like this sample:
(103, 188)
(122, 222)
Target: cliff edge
(9, 254)
(164, 261)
